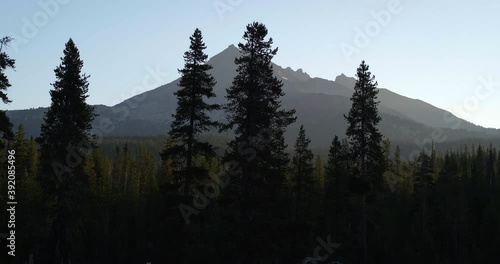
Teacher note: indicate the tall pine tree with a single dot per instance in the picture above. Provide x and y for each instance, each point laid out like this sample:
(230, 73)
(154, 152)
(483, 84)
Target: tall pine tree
(65, 140)
(21, 146)
(304, 189)
(255, 114)
(191, 116)
(337, 194)
(302, 167)
(365, 140)
(319, 171)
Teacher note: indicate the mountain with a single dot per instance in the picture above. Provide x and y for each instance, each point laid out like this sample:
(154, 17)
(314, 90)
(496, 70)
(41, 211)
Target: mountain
(320, 106)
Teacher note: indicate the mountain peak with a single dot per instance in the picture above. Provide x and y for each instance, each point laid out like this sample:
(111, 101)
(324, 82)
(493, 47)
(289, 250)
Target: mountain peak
(343, 80)
(291, 75)
(231, 48)
(226, 56)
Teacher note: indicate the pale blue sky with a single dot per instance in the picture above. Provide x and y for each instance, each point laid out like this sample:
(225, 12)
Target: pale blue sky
(432, 50)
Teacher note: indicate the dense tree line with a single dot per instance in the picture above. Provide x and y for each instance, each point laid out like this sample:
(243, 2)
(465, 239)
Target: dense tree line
(194, 198)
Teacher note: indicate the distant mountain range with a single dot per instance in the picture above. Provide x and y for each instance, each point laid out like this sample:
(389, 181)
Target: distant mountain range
(320, 106)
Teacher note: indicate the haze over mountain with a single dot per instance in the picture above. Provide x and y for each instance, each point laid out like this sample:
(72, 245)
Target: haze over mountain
(320, 106)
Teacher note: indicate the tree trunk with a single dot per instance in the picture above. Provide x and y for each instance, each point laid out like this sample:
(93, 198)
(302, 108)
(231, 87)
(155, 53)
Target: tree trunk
(363, 230)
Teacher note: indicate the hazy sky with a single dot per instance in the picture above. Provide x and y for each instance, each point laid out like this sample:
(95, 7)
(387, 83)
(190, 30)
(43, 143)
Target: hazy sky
(436, 51)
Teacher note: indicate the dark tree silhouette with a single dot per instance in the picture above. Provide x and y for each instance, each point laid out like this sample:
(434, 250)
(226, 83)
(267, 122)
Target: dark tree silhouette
(337, 191)
(365, 140)
(302, 167)
(255, 114)
(191, 117)
(304, 189)
(65, 141)
(6, 62)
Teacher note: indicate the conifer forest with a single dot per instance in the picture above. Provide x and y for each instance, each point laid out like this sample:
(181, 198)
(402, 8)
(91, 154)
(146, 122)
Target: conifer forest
(232, 189)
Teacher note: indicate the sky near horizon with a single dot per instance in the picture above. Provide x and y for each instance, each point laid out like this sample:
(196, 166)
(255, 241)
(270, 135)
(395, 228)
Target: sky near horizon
(443, 52)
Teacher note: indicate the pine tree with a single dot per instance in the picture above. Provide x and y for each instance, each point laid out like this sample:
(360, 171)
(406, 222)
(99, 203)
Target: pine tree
(387, 145)
(279, 165)
(117, 172)
(302, 167)
(33, 160)
(166, 172)
(254, 109)
(147, 169)
(97, 205)
(21, 146)
(191, 117)
(490, 167)
(424, 184)
(397, 159)
(338, 156)
(403, 177)
(304, 188)
(98, 168)
(6, 62)
(319, 171)
(337, 194)
(255, 114)
(65, 140)
(127, 177)
(365, 140)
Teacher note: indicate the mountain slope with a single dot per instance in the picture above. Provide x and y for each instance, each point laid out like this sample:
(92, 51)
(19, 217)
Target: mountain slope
(320, 106)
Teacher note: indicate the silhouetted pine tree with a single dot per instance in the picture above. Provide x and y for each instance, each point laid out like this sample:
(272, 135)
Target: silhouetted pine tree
(185, 150)
(337, 196)
(6, 62)
(21, 146)
(365, 140)
(258, 119)
(97, 219)
(65, 140)
(302, 167)
(191, 116)
(397, 159)
(319, 171)
(304, 189)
